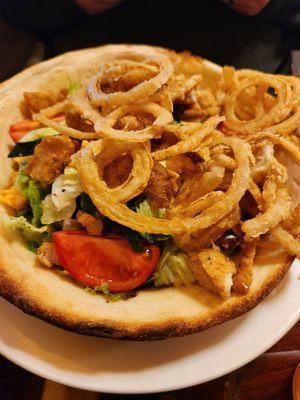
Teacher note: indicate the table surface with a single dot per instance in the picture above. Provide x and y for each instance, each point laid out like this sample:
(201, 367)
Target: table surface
(268, 377)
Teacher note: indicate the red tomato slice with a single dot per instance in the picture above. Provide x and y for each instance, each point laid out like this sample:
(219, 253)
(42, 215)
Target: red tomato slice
(17, 135)
(24, 125)
(18, 130)
(97, 260)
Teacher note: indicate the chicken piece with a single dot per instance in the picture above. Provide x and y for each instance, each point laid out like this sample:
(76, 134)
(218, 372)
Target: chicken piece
(49, 158)
(182, 85)
(116, 172)
(159, 187)
(198, 104)
(134, 121)
(47, 255)
(165, 140)
(243, 277)
(74, 120)
(181, 163)
(36, 101)
(93, 226)
(213, 270)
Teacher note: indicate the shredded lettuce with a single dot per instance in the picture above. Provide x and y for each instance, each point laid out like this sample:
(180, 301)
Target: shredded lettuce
(34, 196)
(31, 189)
(34, 236)
(22, 182)
(38, 134)
(103, 289)
(147, 209)
(61, 202)
(173, 268)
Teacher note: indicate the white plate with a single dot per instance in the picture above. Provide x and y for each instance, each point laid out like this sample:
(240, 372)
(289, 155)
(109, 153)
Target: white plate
(106, 365)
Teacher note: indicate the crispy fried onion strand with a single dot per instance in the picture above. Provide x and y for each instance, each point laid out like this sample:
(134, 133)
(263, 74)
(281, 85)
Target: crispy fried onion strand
(139, 92)
(287, 144)
(204, 190)
(108, 206)
(278, 206)
(286, 240)
(106, 127)
(249, 107)
(198, 133)
(243, 278)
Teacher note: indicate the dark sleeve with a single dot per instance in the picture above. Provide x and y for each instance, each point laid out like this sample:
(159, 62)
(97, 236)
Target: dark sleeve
(286, 15)
(40, 16)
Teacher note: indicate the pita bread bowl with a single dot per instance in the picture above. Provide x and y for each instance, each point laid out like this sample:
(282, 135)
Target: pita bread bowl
(148, 194)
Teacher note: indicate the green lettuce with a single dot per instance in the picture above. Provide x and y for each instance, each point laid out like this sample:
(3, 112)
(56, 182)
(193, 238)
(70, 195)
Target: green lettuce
(103, 289)
(60, 204)
(31, 189)
(147, 209)
(38, 134)
(33, 235)
(173, 268)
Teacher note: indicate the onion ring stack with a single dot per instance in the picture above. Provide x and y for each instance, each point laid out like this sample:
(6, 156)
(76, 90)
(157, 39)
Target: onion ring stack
(233, 173)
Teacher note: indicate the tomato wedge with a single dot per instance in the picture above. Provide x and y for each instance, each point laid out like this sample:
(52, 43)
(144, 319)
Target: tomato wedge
(19, 129)
(97, 260)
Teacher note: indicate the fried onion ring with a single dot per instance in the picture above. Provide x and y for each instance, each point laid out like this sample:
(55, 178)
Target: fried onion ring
(283, 114)
(45, 115)
(106, 128)
(139, 92)
(275, 211)
(106, 150)
(107, 204)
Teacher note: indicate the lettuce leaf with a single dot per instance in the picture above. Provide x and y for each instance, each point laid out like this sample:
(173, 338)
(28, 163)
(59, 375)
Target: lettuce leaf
(34, 196)
(145, 208)
(173, 268)
(103, 289)
(38, 134)
(61, 202)
(35, 236)
(32, 190)
(22, 182)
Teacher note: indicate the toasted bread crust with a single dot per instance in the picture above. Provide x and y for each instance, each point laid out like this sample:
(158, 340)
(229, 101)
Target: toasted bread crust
(154, 313)
(160, 330)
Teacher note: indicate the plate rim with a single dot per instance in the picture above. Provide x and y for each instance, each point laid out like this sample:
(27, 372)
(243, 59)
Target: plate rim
(79, 384)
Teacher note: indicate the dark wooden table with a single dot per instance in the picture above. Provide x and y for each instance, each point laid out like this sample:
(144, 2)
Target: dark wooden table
(269, 377)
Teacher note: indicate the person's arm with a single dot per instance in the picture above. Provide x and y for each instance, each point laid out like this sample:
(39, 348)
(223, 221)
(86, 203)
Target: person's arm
(40, 16)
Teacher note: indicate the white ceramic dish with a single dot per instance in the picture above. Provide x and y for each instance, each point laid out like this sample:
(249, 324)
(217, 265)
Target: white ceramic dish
(107, 365)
